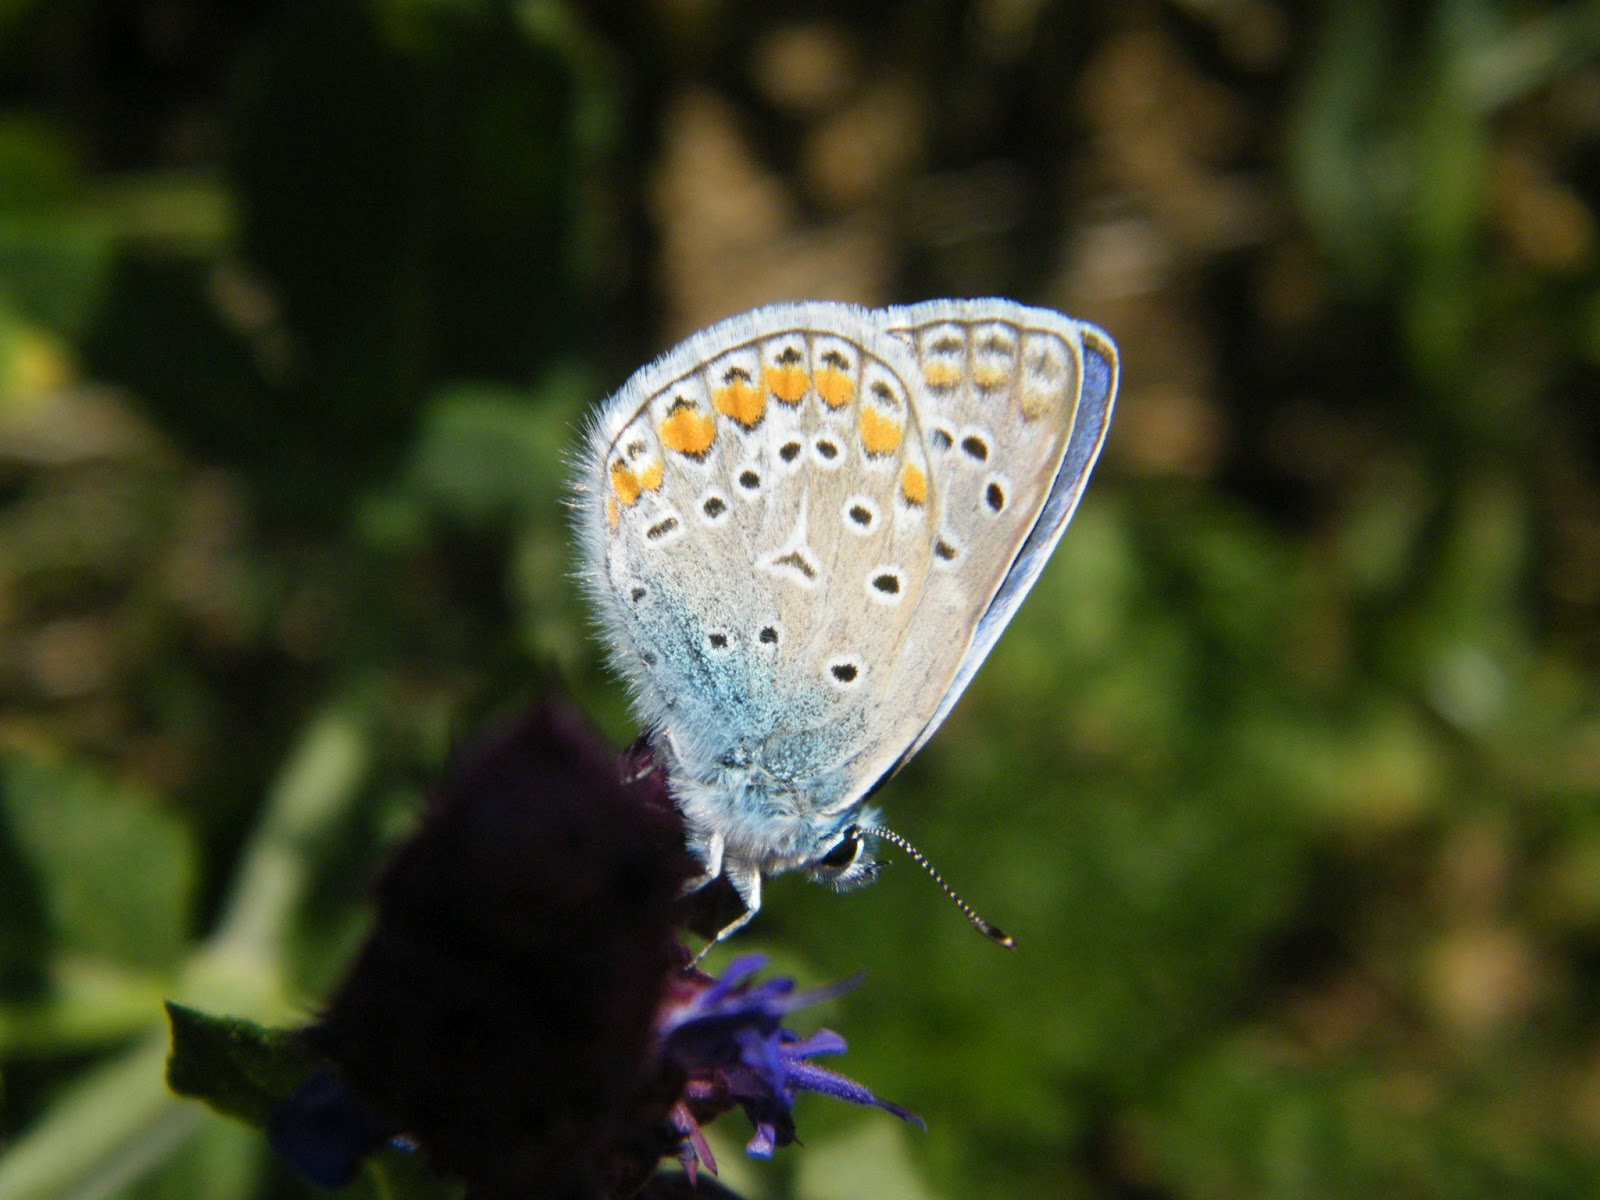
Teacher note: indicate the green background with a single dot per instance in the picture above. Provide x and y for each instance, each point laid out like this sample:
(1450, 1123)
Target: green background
(1286, 775)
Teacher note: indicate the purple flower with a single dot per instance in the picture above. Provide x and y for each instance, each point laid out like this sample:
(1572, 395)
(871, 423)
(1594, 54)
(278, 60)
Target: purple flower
(728, 1037)
(523, 1010)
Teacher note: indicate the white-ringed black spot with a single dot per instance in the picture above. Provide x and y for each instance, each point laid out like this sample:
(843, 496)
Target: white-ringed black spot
(661, 528)
(885, 584)
(637, 594)
(828, 448)
(940, 438)
(749, 480)
(717, 641)
(860, 515)
(845, 672)
(713, 506)
(994, 496)
(768, 635)
(975, 447)
(789, 451)
(945, 550)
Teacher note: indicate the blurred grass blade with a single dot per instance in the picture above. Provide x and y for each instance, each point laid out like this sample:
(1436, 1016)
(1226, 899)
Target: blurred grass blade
(313, 792)
(121, 1122)
(104, 1133)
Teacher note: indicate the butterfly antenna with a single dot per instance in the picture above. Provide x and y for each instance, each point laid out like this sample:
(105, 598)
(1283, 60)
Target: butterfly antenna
(993, 933)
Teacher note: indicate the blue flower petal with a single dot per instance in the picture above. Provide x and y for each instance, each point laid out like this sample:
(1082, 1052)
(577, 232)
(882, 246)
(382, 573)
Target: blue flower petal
(325, 1131)
(841, 1087)
(823, 1041)
(729, 1038)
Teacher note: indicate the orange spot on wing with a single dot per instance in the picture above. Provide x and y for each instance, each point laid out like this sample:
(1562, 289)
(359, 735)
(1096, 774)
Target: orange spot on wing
(688, 430)
(613, 514)
(990, 378)
(742, 402)
(625, 484)
(835, 387)
(787, 383)
(914, 485)
(941, 375)
(879, 434)
(650, 476)
(1035, 404)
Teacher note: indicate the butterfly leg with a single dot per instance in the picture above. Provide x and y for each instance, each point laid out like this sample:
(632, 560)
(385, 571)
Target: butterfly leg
(747, 883)
(712, 857)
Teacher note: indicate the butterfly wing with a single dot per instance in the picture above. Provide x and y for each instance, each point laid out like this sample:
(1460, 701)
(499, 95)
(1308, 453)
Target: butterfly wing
(1015, 403)
(805, 528)
(755, 510)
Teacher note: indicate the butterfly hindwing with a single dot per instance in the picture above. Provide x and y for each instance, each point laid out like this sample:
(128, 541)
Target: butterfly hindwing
(1013, 432)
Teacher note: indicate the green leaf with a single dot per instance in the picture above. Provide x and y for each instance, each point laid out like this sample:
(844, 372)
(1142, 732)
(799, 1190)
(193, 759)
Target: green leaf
(236, 1066)
(243, 1070)
(95, 866)
(487, 453)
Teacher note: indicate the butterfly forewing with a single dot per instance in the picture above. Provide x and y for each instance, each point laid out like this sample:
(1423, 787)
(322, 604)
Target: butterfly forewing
(768, 515)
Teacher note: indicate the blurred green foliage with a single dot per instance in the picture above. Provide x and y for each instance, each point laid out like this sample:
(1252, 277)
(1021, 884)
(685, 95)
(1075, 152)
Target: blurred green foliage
(1287, 777)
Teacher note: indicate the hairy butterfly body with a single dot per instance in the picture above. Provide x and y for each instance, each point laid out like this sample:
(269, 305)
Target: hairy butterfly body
(803, 530)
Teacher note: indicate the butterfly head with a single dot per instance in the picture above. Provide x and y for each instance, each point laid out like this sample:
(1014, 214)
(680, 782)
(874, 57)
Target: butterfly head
(847, 863)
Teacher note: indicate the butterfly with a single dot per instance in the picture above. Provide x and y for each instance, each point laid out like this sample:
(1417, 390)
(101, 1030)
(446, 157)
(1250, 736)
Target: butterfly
(802, 531)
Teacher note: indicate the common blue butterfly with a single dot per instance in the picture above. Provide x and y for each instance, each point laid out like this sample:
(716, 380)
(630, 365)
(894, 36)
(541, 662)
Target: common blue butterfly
(804, 528)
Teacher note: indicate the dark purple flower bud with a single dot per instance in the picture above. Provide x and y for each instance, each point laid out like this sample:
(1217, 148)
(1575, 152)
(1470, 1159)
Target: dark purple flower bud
(523, 1010)
(502, 1012)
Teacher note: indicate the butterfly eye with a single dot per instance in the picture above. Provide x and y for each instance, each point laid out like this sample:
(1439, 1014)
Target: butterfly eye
(847, 864)
(844, 853)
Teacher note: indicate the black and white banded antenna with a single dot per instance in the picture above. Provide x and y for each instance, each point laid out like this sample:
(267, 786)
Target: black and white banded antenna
(992, 932)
